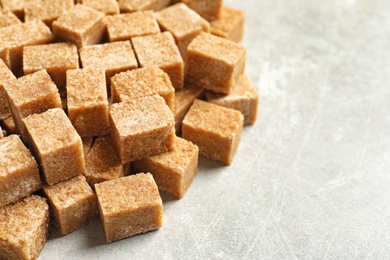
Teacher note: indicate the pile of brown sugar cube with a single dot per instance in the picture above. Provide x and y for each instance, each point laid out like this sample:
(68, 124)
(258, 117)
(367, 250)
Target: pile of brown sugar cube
(104, 104)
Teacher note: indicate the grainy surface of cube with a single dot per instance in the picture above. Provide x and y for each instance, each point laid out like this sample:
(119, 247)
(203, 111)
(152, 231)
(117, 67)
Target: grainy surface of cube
(216, 130)
(109, 7)
(6, 75)
(56, 145)
(208, 9)
(73, 204)
(46, 10)
(137, 5)
(129, 205)
(8, 18)
(230, 25)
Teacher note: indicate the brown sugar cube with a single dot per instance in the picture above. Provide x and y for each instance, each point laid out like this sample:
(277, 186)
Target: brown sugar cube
(73, 204)
(56, 145)
(81, 25)
(8, 18)
(127, 6)
(6, 75)
(19, 175)
(46, 10)
(56, 58)
(87, 101)
(143, 82)
(129, 205)
(214, 63)
(9, 125)
(16, 6)
(31, 94)
(216, 130)
(103, 162)
(208, 9)
(122, 27)
(230, 25)
(142, 127)
(243, 98)
(108, 7)
(24, 228)
(160, 50)
(173, 171)
(187, 29)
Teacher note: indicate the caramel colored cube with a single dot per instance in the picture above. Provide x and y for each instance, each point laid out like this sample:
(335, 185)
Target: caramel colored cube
(87, 101)
(81, 25)
(129, 205)
(122, 27)
(56, 145)
(24, 228)
(184, 24)
(16, 6)
(127, 6)
(142, 127)
(108, 7)
(9, 125)
(103, 162)
(8, 18)
(143, 82)
(173, 171)
(230, 25)
(214, 63)
(56, 58)
(73, 204)
(160, 50)
(6, 75)
(216, 130)
(46, 10)
(19, 175)
(208, 9)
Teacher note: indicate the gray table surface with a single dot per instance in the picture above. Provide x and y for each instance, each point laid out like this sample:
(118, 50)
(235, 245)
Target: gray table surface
(311, 180)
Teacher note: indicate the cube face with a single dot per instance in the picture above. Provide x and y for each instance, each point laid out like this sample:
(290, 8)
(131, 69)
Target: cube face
(208, 9)
(46, 11)
(129, 205)
(109, 7)
(19, 175)
(216, 130)
(214, 63)
(230, 25)
(127, 6)
(7, 75)
(7, 18)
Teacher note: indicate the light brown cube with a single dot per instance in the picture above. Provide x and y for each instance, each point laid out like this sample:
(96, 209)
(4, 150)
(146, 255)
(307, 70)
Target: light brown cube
(142, 127)
(55, 144)
(16, 6)
(87, 101)
(123, 27)
(129, 205)
(81, 25)
(9, 125)
(127, 6)
(160, 50)
(184, 24)
(56, 58)
(24, 228)
(108, 7)
(19, 175)
(173, 171)
(208, 9)
(214, 63)
(216, 130)
(143, 82)
(230, 25)
(8, 18)
(46, 10)
(6, 75)
(73, 204)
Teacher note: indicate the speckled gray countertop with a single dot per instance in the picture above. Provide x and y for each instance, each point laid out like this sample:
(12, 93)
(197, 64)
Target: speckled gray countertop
(311, 179)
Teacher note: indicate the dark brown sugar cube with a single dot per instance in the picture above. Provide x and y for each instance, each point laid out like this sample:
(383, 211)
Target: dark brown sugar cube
(109, 7)
(230, 25)
(129, 205)
(160, 50)
(73, 204)
(208, 9)
(184, 24)
(173, 171)
(16, 6)
(143, 82)
(122, 27)
(56, 145)
(24, 228)
(46, 10)
(8, 18)
(19, 175)
(6, 75)
(81, 25)
(87, 101)
(216, 130)
(214, 63)
(127, 6)
(142, 127)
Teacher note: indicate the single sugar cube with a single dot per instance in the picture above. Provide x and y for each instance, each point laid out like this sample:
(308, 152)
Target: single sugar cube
(87, 101)
(8, 18)
(19, 175)
(81, 25)
(208, 9)
(127, 6)
(129, 205)
(160, 50)
(230, 25)
(214, 63)
(142, 127)
(243, 98)
(73, 204)
(216, 130)
(46, 10)
(24, 228)
(187, 29)
(143, 82)
(56, 145)
(108, 7)
(6, 75)
(123, 27)
(173, 171)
